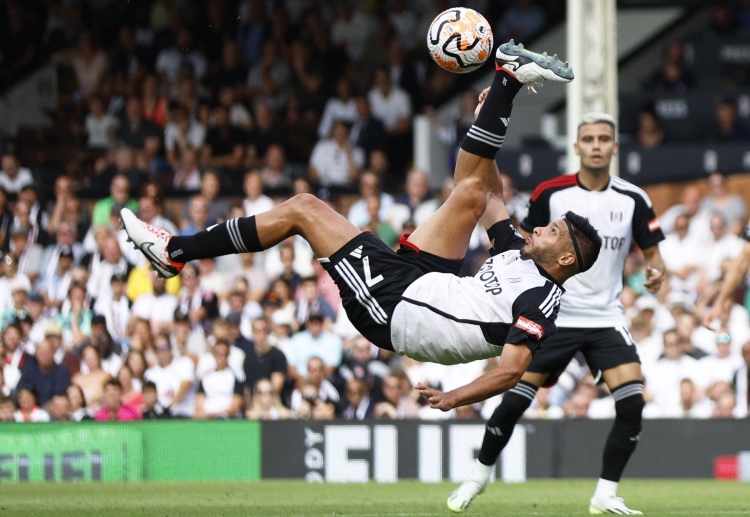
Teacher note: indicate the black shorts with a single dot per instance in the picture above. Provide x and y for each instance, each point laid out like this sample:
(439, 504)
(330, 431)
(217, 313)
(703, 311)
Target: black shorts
(372, 277)
(603, 348)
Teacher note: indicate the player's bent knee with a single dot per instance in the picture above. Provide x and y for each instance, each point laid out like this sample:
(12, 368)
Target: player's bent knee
(630, 409)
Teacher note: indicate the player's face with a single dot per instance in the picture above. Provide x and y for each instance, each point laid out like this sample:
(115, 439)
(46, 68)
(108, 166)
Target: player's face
(596, 145)
(547, 243)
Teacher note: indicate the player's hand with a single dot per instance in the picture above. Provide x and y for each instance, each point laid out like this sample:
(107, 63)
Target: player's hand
(436, 398)
(482, 97)
(654, 279)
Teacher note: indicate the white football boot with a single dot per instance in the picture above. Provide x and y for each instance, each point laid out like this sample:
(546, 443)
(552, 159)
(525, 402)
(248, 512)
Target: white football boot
(152, 242)
(613, 505)
(529, 67)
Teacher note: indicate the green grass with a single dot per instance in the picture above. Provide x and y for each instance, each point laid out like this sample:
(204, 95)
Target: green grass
(406, 499)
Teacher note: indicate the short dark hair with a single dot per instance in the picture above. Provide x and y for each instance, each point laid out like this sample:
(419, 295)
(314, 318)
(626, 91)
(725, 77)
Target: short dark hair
(113, 382)
(148, 385)
(589, 241)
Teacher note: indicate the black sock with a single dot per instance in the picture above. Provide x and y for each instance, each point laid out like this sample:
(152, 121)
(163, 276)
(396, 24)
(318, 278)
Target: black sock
(626, 431)
(234, 236)
(486, 136)
(500, 425)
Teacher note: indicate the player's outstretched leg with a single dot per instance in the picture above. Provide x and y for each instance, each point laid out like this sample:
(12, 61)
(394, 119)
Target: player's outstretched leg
(325, 229)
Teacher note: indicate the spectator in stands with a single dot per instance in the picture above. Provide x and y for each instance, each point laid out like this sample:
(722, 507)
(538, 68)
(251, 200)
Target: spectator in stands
(368, 132)
(276, 173)
(691, 202)
(220, 392)
(722, 200)
(171, 59)
(154, 104)
(29, 252)
(342, 106)
(43, 375)
(692, 404)
(77, 408)
(266, 131)
(725, 405)
(113, 407)
(359, 362)
(109, 351)
(268, 79)
(663, 379)
(315, 394)
(523, 20)
(673, 74)
(649, 133)
(17, 42)
(310, 301)
(721, 365)
(262, 359)
(398, 403)
(382, 229)
(255, 201)
(130, 59)
(108, 261)
(119, 194)
(174, 379)
(392, 106)
(28, 409)
(6, 219)
(156, 307)
(13, 177)
(417, 192)
(681, 257)
(335, 161)
(18, 288)
(307, 77)
(152, 408)
(223, 330)
(726, 126)
(197, 216)
(358, 404)
(187, 342)
(53, 335)
(314, 341)
(7, 409)
(231, 72)
(100, 125)
(89, 63)
(138, 133)
(724, 245)
(182, 132)
(199, 304)
(266, 403)
(54, 287)
(224, 145)
(92, 382)
(136, 361)
(369, 184)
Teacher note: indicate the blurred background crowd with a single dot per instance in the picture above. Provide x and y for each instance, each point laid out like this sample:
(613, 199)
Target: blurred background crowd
(191, 113)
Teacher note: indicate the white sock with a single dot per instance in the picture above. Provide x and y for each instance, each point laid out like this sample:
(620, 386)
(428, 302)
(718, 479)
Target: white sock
(481, 472)
(606, 489)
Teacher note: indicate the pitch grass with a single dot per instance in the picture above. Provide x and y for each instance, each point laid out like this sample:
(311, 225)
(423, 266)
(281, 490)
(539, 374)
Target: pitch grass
(698, 498)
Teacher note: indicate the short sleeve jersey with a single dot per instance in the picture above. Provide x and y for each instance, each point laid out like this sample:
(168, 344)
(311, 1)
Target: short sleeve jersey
(622, 213)
(448, 319)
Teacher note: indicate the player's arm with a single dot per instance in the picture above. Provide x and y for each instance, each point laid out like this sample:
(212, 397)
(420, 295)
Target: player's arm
(735, 273)
(513, 363)
(655, 269)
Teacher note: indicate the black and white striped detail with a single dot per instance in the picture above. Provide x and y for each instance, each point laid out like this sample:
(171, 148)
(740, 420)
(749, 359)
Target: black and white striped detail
(491, 139)
(355, 283)
(628, 390)
(357, 253)
(525, 390)
(553, 300)
(234, 234)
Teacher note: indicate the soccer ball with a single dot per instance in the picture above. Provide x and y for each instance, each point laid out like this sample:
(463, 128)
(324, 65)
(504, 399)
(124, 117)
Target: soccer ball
(460, 40)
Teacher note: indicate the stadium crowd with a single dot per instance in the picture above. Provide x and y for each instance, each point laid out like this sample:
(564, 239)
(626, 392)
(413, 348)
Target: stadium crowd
(190, 123)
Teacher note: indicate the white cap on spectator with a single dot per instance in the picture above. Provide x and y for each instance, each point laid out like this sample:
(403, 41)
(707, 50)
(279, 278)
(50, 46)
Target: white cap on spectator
(280, 317)
(646, 303)
(677, 299)
(20, 283)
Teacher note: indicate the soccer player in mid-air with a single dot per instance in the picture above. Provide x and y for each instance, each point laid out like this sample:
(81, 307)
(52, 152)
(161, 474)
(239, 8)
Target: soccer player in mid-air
(412, 301)
(591, 318)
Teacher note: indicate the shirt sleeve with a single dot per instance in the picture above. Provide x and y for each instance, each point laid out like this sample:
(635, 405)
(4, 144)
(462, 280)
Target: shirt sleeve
(534, 313)
(647, 231)
(538, 214)
(239, 387)
(504, 237)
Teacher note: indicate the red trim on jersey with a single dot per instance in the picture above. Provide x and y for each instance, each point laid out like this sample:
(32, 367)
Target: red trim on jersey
(405, 242)
(567, 180)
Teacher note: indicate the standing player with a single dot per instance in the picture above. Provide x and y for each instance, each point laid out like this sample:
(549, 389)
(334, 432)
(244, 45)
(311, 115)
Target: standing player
(737, 270)
(591, 316)
(412, 301)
